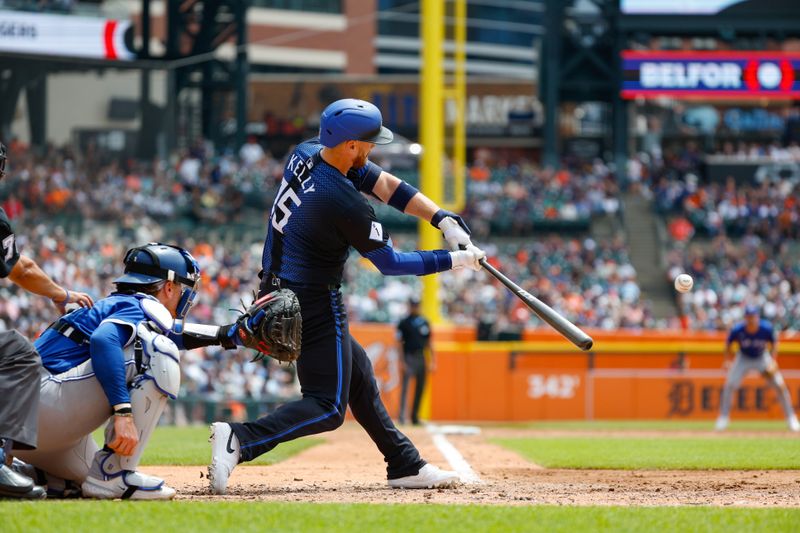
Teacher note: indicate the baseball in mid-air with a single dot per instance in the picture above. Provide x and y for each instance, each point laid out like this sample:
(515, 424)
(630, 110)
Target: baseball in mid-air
(684, 283)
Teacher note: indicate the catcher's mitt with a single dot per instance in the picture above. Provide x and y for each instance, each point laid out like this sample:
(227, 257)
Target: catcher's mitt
(272, 325)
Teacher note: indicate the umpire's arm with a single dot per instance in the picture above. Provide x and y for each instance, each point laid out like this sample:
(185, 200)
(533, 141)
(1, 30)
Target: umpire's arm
(27, 274)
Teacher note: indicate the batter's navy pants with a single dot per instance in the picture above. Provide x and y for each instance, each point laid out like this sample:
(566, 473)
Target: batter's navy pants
(334, 372)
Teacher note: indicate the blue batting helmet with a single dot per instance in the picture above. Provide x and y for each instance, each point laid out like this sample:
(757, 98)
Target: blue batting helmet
(156, 262)
(352, 120)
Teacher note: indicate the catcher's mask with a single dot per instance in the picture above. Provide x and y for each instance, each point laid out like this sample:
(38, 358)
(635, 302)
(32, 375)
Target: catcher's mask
(156, 262)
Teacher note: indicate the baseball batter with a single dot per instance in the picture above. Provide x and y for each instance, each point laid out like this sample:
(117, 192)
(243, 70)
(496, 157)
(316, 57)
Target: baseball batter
(318, 214)
(19, 362)
(757, 350)
(119, 358)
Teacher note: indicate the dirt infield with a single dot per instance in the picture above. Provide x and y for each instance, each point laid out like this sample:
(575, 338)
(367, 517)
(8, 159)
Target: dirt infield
(347, 468)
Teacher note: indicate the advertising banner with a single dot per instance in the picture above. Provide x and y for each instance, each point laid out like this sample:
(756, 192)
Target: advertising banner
(718, 74)
(65, 35)
(499, 109)
(689, 7)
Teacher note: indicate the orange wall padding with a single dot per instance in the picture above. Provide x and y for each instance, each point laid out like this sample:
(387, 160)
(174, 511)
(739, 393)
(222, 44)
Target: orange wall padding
(627, 375)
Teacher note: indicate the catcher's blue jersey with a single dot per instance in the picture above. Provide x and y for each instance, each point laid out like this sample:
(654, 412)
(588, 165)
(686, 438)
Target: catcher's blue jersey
(60, 354)
(317, 215)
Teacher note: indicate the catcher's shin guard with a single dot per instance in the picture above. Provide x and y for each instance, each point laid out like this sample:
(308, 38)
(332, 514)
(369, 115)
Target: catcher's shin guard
(161, 379)
(113, 475)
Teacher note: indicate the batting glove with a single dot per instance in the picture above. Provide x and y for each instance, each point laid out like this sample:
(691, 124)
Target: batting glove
(469, 258)
(456, 237)
(441, 214)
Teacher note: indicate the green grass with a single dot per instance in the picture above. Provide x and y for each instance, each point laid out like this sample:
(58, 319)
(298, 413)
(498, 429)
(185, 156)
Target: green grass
(189, 446)
(662, 453)
(645, 425)
(264, 516)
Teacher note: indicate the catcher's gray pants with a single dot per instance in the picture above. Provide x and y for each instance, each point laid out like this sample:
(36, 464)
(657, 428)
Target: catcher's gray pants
(740, 367)
(19, 389)
(72, 406)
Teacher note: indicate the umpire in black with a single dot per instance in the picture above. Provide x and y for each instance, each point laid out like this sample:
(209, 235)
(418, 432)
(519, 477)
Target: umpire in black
(19, 363)
(414, 333)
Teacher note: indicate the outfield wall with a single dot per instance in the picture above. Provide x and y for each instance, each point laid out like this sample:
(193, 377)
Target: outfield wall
(627, 375)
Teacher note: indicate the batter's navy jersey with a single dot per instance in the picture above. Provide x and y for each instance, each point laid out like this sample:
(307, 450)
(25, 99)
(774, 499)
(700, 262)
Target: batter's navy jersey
(752, 344)
(8, 246)
(317, 215)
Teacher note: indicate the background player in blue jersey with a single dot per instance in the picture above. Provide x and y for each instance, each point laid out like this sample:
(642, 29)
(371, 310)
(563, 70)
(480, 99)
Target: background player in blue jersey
(119, 358)
(19, 362)
(757, 350)
(319, 213)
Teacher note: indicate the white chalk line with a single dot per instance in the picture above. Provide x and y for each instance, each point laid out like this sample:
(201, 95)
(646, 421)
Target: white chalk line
(454, 457)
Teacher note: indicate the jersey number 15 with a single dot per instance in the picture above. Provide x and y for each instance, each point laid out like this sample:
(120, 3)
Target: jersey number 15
(282, 206)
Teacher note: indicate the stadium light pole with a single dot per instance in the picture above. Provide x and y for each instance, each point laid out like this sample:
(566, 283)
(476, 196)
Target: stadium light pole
(431, 129)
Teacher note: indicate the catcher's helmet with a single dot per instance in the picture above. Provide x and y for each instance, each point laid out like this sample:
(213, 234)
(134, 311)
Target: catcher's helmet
(3, 158)
(352, 120)
(156, 262)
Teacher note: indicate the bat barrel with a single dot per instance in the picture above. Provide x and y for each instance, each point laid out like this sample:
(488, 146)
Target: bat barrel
(566, 328)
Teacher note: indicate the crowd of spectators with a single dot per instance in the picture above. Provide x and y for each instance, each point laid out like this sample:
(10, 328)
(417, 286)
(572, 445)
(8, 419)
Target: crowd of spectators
(770, 210)
(739, 238)
(728, 275)
(198, 186)
(195, 184)
(514, 198)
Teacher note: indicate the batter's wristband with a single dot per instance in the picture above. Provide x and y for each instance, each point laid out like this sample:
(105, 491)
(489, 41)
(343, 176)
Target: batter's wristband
(123, 411)
(435, 261)
(402, 195)
(438, 216)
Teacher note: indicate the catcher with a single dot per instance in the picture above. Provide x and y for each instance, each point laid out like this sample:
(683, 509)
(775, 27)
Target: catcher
(758, 349)
(119, 360)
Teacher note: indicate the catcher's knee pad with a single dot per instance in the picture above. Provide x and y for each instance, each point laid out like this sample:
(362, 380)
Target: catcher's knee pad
(161, 360)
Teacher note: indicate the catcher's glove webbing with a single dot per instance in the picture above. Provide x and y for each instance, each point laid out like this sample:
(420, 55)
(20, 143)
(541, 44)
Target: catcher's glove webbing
(272, 325)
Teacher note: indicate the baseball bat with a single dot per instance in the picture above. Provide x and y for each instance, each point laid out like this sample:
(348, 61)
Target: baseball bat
(569, 330)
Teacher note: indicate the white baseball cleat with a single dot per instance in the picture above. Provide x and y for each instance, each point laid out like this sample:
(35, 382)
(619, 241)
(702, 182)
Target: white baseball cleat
(722, 423)
(128, 485)
(225, 451)
(793, 423)
(428, 477)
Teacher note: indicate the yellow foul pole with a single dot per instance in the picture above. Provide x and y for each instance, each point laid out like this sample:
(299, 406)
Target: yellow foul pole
(431, 130)
(460, 96)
